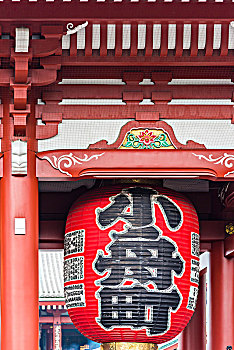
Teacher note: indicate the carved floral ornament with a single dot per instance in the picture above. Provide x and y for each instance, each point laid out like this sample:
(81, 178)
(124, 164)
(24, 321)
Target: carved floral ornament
(147, 139)
(146, 135)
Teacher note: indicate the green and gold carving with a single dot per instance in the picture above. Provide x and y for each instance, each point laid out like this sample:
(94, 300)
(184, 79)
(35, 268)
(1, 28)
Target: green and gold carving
(147, 139)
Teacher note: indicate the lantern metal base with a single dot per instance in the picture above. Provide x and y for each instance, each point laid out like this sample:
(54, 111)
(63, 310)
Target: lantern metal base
(129, 346)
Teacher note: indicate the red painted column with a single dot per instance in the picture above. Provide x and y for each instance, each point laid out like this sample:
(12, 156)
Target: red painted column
(57, 331)
(49, 342)
(19, 253)
(194, 335)
(222, 299)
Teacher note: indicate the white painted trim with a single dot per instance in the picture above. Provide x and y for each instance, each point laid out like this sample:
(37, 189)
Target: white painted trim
(21, 39)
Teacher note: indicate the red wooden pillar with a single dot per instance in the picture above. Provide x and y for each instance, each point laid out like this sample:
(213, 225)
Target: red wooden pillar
(49, 340)
(194, 335)
(57, 331)
(19, 252)
(222, 299)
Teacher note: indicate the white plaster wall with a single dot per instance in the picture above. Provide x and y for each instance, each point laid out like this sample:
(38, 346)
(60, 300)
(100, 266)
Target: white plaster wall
(79, 134)
(212, 133)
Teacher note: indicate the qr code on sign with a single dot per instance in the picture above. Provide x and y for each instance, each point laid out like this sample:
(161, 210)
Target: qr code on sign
(195, 249)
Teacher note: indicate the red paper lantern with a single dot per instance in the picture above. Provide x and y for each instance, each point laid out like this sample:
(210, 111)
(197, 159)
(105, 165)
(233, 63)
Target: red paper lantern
(131, 264)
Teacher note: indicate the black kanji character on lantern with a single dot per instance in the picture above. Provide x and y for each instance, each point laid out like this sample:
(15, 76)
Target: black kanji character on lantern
(137, 308)
(141, 214)
(144, 261)
(141, 255)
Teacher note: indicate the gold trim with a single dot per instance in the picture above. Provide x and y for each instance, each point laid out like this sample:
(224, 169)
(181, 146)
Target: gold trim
(129, 346)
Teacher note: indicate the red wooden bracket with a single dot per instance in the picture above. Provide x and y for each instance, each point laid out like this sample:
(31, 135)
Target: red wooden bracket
(50, 44)
(20, 119)
(42, 77)
(52, 96)
(19, 123)
(21, 66)
(133, 78)
(27, 110)
(5, 76)
(161, 77)
(147, 116)
(52, 117)
(53, 62)
(50, 129)
(132, 97)
(161, 96)
(46, 131)
(20, 109)
(46, 47)
(5, 47)
(20, 95)
(52, 31)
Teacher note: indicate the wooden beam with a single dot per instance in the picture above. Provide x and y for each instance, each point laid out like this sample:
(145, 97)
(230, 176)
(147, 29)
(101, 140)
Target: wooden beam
(155, 60)
(177, 72)
(74, 112)
(96, 91)
(62, 11)
(110, 163)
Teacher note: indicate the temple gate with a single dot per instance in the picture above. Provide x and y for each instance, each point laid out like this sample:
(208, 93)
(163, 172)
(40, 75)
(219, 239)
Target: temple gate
(95, 91)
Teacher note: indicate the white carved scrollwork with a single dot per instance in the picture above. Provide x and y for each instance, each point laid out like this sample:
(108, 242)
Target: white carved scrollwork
(68, 160)
(225, 160)
(72, 30)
